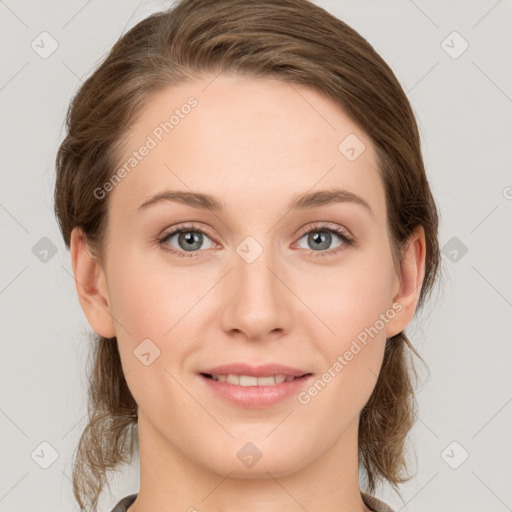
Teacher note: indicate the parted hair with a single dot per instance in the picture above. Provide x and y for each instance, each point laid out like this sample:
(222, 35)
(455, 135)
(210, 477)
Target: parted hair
(294, 41)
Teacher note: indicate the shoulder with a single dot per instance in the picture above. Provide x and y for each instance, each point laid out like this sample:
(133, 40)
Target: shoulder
(123, 504)
(374, 503)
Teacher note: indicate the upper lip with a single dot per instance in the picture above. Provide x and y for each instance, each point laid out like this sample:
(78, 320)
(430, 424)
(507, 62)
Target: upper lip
(265, 370)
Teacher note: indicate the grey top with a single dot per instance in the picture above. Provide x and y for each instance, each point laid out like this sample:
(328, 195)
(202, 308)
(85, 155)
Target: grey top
(370, 501)
(123, 505)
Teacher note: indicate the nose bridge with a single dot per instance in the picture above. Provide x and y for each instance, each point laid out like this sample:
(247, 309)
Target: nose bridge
(252, 275)
(257, 301)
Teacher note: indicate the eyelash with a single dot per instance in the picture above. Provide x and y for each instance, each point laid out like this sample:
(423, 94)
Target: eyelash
(320, 227)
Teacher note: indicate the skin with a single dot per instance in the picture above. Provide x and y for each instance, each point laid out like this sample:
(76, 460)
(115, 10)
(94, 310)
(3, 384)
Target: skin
(254, 144)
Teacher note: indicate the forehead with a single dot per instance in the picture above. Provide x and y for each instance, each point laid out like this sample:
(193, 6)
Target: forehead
(243, 138)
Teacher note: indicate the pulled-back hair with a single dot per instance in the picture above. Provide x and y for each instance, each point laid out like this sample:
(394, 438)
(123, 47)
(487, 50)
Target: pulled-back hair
(294, 41)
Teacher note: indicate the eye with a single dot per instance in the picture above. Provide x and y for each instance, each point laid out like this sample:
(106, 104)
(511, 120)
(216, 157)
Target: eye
(189, 239)
(318, 238)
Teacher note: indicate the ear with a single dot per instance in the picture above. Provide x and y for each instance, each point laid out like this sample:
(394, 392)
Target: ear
(411, 274)
(90, 285)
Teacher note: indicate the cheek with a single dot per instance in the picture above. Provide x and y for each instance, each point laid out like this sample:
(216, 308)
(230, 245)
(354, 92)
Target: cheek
(154, 301)
(352, 352)
(349, 299)
(147, 305)
(352, 301)
(148, 298)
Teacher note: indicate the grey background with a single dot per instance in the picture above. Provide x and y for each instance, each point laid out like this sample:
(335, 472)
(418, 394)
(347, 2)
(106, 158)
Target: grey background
(463, 107)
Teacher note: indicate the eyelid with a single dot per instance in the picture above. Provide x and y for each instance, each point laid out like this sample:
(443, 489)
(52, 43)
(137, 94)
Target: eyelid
(187, 226)
(319, 225)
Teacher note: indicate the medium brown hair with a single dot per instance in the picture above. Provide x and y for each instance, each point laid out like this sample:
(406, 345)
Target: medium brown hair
(293, 41)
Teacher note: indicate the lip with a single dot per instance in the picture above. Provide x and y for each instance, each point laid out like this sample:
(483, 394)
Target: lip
(256, 397)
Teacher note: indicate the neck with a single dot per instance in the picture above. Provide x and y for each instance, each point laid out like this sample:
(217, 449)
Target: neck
(171, 481)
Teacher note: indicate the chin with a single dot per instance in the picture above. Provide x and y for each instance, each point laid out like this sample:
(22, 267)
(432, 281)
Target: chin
(241, 466)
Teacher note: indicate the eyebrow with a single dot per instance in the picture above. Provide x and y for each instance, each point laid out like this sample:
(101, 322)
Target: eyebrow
(305, 201)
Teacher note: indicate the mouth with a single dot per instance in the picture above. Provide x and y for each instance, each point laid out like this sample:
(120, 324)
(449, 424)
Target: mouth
(254, 387)
(252, 380)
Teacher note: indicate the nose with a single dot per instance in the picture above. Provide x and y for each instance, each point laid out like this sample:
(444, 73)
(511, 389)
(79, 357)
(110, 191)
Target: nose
(257, 304)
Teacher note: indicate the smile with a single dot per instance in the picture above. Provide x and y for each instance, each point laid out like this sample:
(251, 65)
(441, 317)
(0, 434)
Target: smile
(250, 380)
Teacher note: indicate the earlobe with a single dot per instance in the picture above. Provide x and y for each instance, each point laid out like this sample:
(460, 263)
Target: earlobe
(412, 272)
(90, 285)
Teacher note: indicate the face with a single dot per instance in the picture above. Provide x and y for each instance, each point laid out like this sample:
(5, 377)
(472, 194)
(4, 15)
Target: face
(269, 277)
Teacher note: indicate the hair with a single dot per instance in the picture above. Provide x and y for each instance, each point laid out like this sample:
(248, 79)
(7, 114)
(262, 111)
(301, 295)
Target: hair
(294, 41)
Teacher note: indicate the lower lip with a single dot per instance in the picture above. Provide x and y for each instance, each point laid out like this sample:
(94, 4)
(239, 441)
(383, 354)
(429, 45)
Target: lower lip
(256, 397)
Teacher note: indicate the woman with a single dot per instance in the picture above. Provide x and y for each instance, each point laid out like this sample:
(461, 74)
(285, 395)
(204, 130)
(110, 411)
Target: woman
(251, 231)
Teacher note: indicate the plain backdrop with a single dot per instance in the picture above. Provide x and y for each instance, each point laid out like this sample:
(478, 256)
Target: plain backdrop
(451, 58)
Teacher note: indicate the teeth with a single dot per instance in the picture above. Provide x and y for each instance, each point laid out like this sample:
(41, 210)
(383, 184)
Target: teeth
(248, 380)
(233, 379)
